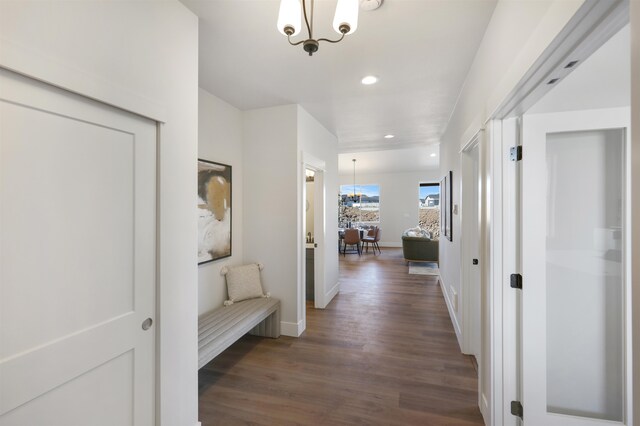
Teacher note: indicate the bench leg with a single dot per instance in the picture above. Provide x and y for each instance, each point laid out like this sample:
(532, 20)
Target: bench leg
(269, 327)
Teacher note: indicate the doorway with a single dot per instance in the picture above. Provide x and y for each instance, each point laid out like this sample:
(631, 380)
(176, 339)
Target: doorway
(312, 228)
(310, 244)
(472, 261)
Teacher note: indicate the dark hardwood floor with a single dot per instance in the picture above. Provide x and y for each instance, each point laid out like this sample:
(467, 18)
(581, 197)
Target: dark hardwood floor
(384, 352)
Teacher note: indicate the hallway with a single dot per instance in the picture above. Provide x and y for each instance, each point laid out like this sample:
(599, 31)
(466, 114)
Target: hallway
(383, 352)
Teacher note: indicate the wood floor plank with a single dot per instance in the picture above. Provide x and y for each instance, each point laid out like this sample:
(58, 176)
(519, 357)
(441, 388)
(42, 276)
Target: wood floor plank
(384, 352)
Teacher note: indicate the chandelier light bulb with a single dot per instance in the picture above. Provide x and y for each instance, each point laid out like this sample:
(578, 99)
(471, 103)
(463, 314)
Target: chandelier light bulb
(290, 17)
(345, 20)
(290, 22)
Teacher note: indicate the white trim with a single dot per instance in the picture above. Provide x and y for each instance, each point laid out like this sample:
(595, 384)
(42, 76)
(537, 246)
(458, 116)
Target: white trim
(292, 329)
(454, 319)
(331, 294)
(34, 64)
(312, 161)
(589, 28)
(485, 409)
(471, 139)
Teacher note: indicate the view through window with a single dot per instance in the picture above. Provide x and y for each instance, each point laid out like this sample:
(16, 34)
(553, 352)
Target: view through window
(358, 204)
(429, 204)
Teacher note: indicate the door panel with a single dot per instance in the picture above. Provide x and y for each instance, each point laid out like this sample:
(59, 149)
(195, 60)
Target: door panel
(574, 260)
(77, 258)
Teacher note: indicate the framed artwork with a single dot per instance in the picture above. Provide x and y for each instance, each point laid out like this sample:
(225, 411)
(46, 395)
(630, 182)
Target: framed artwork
(214, 211)
(446, 206)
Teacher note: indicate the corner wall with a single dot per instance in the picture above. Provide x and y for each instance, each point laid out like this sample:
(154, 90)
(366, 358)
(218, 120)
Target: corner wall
(270, 203)
(273, 140)
(220, 140)
(141, 57)
(399, 195)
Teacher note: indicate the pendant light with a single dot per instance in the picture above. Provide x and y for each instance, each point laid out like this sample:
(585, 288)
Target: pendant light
(345, 21)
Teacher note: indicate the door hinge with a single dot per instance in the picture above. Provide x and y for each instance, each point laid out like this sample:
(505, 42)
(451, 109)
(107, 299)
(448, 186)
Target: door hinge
(516, 281)
(516, 409)
(515, 153)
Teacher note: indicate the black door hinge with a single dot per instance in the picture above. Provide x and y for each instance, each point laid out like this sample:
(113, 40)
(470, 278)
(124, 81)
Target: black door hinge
(516, 281)
(516, 409)
(474, 261)
(515, 153)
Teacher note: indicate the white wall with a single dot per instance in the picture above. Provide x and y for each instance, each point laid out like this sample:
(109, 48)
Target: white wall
(635, 200)
(399, 194)
(143, 57)
(220, 140)
(270, 203)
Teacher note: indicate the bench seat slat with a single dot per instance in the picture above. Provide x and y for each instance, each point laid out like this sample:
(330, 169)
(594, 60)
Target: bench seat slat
(220, 328)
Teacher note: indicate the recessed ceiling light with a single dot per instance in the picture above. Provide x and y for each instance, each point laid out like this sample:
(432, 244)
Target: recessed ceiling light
(389, 136)
(370, 79)
(433, 155)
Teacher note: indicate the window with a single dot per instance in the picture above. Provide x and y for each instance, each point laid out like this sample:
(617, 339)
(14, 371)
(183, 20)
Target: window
(429, 205)
(359, 203)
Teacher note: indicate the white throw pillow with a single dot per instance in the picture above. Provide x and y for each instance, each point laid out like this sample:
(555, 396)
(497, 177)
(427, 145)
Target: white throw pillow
(243, 282)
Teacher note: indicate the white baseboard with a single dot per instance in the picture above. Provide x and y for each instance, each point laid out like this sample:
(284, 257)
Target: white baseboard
(452, 314)
(331, 294)
(292, 329)
(484, 409)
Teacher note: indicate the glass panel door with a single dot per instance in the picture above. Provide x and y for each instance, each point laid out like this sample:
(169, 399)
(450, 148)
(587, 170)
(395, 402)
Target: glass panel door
(575, 286)
(584, 273)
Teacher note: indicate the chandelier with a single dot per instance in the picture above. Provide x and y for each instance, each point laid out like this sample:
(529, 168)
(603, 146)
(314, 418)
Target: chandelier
(345, 21)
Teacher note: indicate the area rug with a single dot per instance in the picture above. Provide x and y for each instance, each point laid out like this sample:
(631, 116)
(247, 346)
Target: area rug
(423, 268)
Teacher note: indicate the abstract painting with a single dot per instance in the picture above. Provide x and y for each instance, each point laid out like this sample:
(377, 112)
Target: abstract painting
(214, 211)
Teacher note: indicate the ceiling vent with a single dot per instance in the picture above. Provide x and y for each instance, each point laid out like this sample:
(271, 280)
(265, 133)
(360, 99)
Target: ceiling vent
(369, 5)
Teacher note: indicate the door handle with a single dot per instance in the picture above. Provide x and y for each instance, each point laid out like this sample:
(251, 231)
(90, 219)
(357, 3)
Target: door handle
(475, 261)
(146, 324)
(315, 245)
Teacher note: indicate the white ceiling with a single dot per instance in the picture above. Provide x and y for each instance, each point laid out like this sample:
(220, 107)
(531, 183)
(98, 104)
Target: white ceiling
(398, 160)
(603, 80)
(420, 49)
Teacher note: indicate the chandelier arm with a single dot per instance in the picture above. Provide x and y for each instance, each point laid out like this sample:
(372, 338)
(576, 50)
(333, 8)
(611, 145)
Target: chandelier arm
(294, 44)
(332, 41)
(306, 20)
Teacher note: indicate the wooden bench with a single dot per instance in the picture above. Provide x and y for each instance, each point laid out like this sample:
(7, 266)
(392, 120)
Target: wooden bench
(220, 328)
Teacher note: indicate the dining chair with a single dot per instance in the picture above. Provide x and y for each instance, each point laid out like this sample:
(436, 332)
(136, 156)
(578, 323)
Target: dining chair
(372, 238)
(351, 238)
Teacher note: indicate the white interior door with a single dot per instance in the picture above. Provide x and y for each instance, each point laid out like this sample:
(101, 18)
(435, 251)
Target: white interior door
(77, 259)
(574, 263)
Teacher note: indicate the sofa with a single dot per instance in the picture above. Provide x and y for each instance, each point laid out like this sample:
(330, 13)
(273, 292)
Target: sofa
(418, 247)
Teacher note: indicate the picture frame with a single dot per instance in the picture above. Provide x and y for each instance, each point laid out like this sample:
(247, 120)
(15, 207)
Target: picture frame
(214, 211)
(446, 206)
